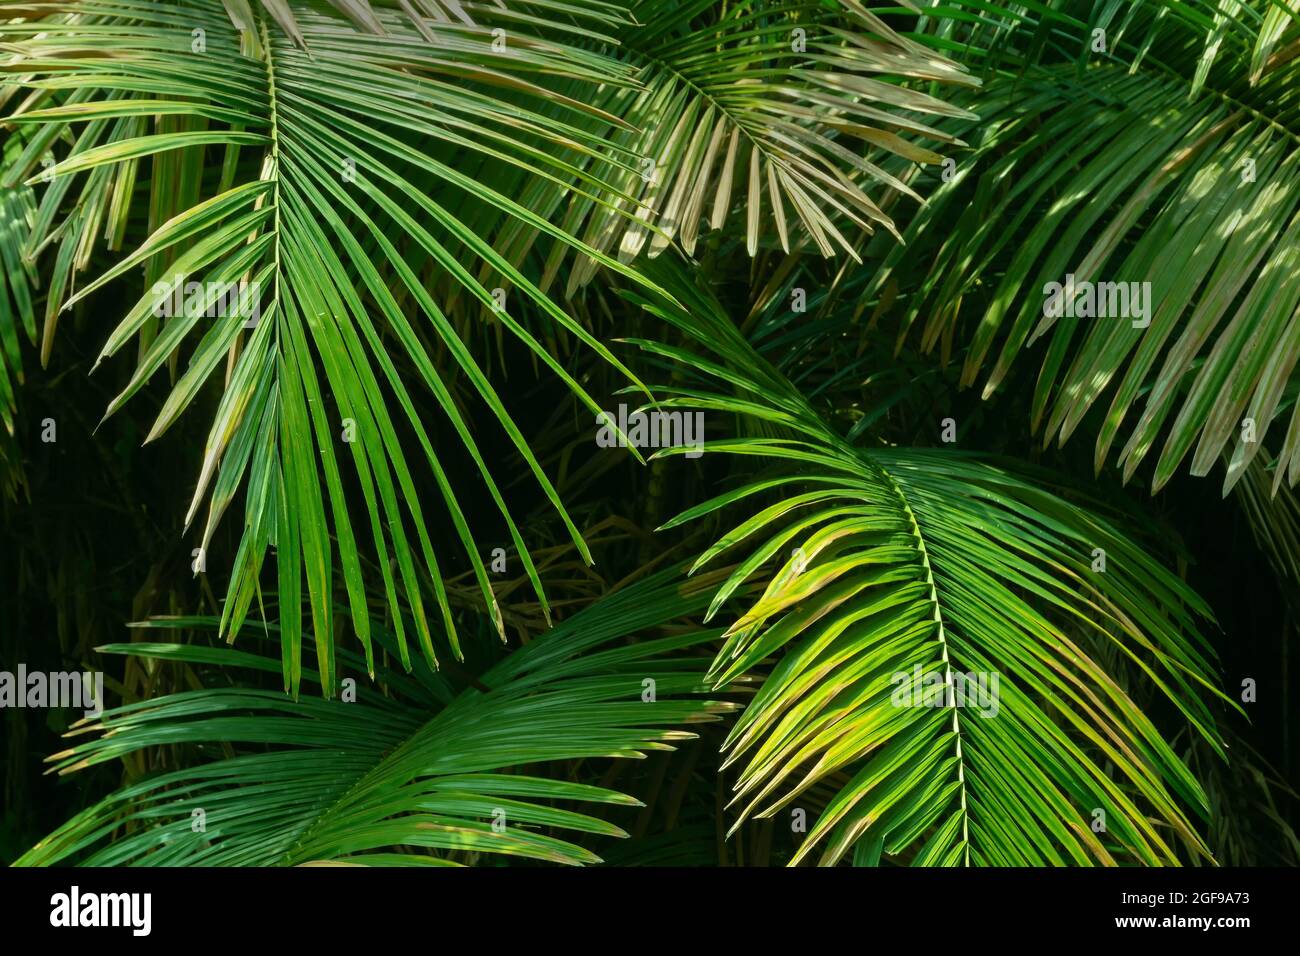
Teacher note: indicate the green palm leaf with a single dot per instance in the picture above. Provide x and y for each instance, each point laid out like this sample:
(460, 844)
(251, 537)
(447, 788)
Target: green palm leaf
(331, 124)
(1097, 165)
(399, 772)
(894, 573)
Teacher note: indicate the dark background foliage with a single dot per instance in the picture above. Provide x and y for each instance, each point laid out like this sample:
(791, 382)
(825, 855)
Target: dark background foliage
(92, 536)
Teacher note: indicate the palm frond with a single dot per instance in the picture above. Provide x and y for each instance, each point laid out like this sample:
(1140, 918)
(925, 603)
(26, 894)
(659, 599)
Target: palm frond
(1099, 164)
(315, 131)
(17, 318)
(408, 767)
(771, 106)
(905, 584)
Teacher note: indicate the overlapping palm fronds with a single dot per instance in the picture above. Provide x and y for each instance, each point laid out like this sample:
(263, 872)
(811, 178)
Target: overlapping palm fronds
(947, 658)
(416, 773)
(1131, 143)
(923, 617)
(775, 108)
(316, 137)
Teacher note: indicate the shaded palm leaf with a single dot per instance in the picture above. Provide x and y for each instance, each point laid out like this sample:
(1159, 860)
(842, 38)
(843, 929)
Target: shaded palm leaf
(392, 775)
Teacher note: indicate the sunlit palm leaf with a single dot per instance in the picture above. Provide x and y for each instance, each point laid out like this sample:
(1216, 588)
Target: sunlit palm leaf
(1097, 165)
(890, 562)
(773, 107)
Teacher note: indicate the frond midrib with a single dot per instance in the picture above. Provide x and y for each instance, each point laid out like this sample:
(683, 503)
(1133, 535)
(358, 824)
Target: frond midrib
(288, 858)
(949, 698)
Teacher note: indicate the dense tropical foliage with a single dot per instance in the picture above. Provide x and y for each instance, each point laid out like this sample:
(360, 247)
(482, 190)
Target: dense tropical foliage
(361, 517)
